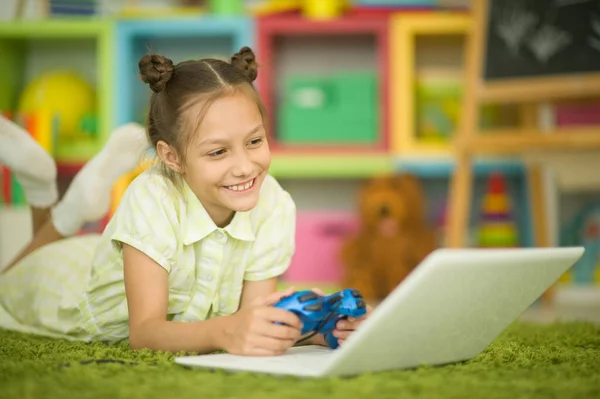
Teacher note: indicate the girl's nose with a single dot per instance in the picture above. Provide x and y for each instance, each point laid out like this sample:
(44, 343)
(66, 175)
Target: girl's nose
(243, 166)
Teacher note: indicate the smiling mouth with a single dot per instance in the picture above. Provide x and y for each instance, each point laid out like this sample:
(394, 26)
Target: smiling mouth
(238, 188)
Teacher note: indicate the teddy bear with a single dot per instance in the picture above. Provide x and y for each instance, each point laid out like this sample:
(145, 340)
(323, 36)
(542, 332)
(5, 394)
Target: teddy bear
(393, 236)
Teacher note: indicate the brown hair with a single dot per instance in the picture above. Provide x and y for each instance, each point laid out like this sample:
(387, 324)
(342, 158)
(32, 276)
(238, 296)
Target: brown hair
(178, 87)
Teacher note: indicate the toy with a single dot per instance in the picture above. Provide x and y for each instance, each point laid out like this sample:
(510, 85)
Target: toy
(320, 10)
(61, 94)
(319, 314)
(393, 237)
(123, 182)
(497, 227)
(311, 9)
(437, 97)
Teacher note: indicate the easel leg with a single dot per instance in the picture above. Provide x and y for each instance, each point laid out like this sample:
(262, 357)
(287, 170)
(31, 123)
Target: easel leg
(538, 205)
(538, 202)
(460, 201)
(539, 208)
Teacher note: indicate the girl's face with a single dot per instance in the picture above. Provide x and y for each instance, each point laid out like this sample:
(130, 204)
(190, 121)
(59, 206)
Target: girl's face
(228, 158)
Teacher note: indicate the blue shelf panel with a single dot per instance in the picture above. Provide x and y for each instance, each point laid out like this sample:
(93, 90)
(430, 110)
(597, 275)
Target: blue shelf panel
(176, 39)
(443, 168)
(197, 26)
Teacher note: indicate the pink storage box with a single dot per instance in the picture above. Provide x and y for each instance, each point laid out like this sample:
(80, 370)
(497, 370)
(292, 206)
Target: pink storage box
(578, 114)
(319, 238)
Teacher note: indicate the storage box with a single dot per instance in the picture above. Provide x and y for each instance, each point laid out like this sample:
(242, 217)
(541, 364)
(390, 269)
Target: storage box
(572, 114)
(319, 239)
(438, 97)
(336, 109)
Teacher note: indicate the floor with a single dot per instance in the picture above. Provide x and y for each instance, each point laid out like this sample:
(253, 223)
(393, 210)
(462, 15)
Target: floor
(569, 304)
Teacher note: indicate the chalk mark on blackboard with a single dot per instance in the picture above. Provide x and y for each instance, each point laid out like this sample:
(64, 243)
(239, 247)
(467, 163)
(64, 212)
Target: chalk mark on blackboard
(513, 25)
(594, 41)
(548, 41)
(562, 3)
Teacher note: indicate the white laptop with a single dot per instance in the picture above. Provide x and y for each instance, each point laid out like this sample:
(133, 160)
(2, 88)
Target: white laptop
(449, 309)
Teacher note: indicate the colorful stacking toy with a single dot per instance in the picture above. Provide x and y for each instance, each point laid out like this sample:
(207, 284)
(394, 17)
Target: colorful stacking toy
(497, 227)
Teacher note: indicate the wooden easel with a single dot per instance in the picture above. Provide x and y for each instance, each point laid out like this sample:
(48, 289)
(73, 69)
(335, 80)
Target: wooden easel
(529, 93)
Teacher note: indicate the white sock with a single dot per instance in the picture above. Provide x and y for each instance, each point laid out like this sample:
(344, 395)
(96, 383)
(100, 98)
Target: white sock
(33, 167)
(88, 197)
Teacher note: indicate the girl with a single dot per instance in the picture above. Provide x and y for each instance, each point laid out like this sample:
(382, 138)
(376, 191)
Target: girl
(190, 258)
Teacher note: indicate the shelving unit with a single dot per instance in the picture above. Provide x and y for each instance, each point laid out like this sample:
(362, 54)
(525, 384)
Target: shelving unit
(29, 48)
(406, 64)
(288, 45)
(178, 39)
(323, 177)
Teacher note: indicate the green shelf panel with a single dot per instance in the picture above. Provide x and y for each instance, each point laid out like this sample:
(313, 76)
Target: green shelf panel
(328, 166)
(67, 28)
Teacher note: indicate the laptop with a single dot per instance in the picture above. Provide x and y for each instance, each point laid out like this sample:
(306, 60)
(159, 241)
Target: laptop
(449, 309)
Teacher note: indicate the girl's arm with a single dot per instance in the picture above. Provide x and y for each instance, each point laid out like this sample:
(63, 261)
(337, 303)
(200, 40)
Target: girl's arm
(252, 290)
(257, 329)
(146, 287)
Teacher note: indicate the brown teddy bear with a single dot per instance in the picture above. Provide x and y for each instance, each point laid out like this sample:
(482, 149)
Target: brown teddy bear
(392, 239)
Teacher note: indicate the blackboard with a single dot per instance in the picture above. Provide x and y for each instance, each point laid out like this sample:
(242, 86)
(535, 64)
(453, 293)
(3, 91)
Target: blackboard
(531, 38)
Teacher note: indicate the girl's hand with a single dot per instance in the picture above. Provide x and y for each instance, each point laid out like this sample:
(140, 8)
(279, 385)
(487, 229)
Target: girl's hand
(252, 330)
(343, 328)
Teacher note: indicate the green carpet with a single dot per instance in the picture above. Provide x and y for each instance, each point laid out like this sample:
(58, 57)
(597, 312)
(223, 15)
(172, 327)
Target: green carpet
(530, 361)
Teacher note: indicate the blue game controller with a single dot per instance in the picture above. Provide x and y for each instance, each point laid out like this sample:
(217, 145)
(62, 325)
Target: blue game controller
(319, 314)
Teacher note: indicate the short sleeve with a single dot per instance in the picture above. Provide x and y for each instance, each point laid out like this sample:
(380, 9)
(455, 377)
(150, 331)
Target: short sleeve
(147, 219)
(274, 246)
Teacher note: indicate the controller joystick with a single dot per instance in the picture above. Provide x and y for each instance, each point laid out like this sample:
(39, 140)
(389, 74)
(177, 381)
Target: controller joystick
(343, 304)
(320, 314)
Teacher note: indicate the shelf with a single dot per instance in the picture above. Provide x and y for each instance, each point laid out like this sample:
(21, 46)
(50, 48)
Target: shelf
(529, 140)
(358, 166)
(407, 33)
(443, 167)
(189, 27)
(49, 29)
(541, 89)
(84, 46)
(329, 166)
(288, 43)
(177, 39)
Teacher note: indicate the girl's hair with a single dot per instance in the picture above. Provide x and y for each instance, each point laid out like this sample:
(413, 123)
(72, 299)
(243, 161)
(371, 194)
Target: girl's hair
(178, 88)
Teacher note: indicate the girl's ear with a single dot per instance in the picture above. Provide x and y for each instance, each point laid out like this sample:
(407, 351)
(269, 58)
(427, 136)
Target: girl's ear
(169, 156)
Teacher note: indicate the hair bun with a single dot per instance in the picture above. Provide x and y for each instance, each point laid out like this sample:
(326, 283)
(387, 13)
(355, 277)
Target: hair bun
(155, 70)
(245, 61)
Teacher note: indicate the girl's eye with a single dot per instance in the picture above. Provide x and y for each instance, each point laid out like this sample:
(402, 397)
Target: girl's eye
(217, 153)
(256, 141)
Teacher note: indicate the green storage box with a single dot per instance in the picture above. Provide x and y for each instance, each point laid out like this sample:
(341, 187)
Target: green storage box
(337, 109)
